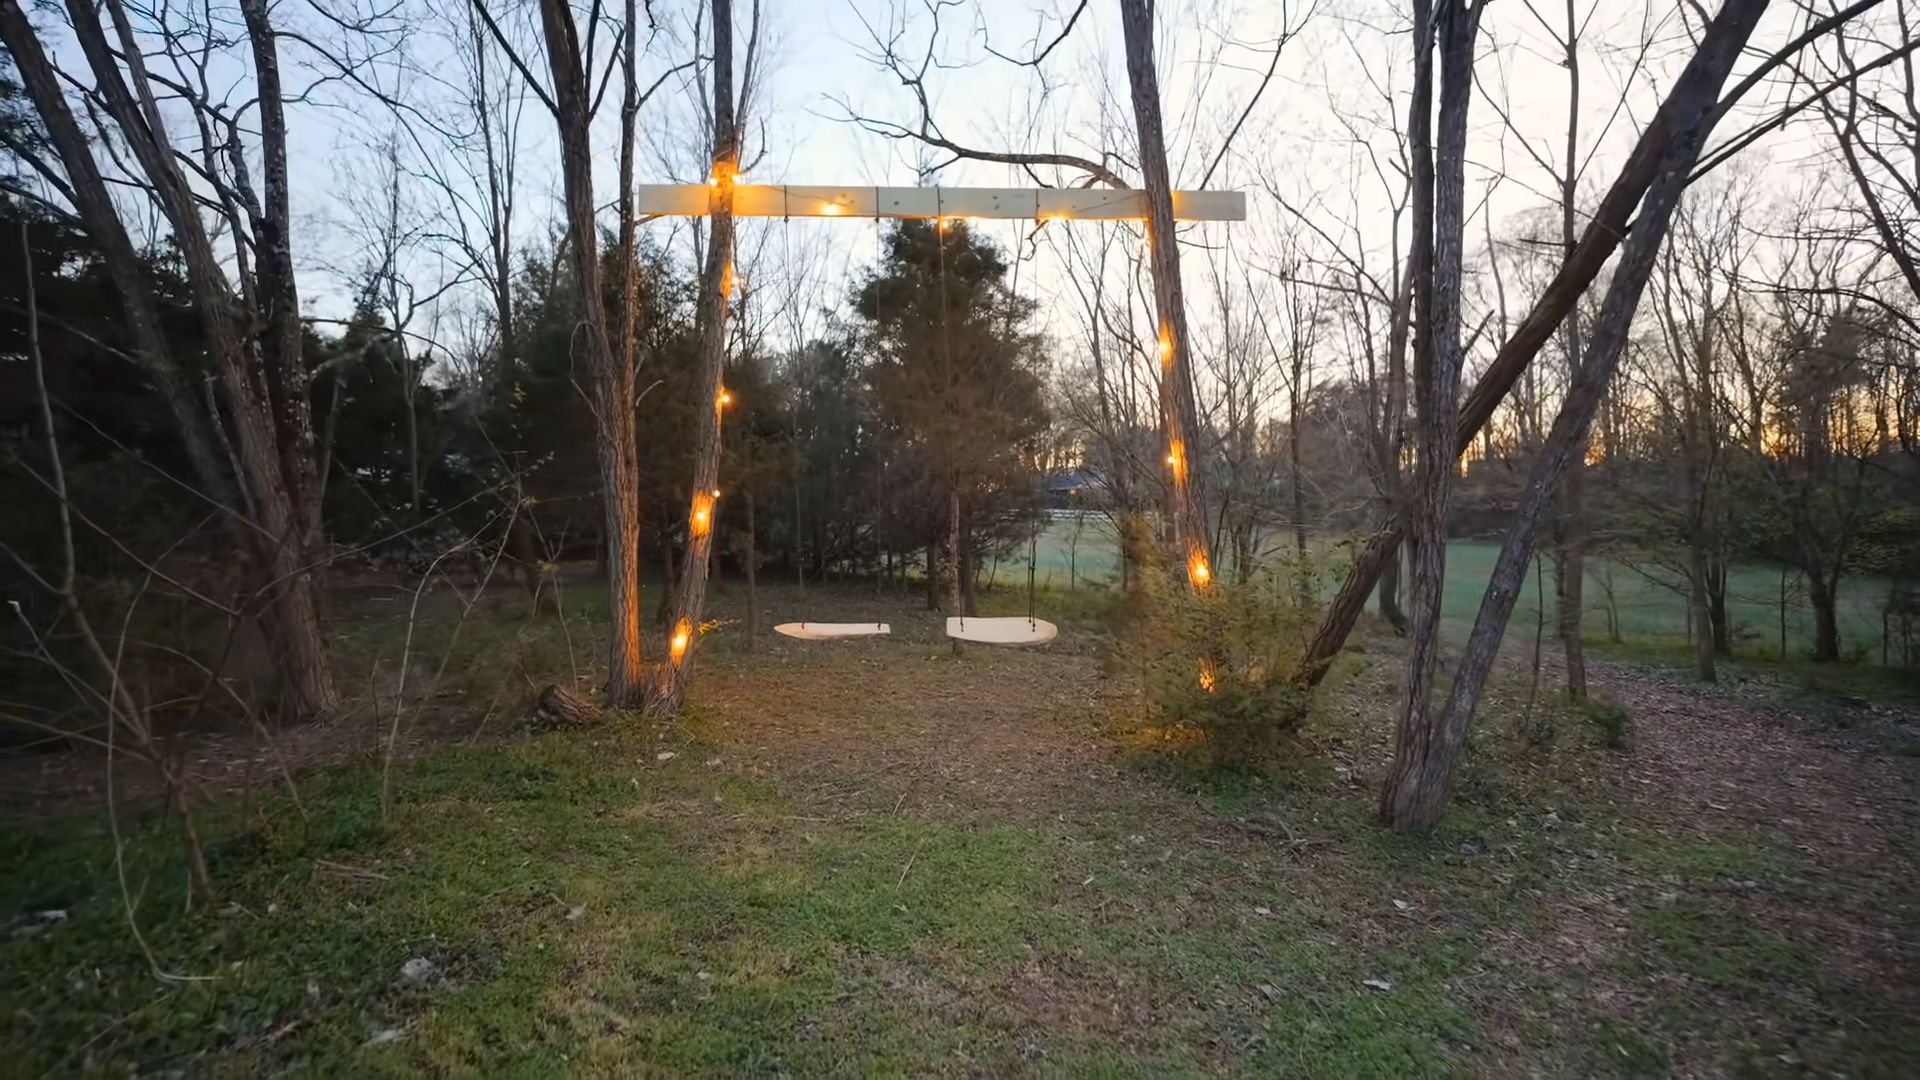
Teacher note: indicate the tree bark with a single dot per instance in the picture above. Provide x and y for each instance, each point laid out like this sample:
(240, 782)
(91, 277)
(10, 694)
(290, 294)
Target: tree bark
(610, 382)
(559, 708)
(933, 571)
(1416, 789)
(1702, 78)
(969, 562)
(1393, 438)
(1179, 415)
(277, 291)
(669, 683)
(1823, 596)
(1448, 34)
(287, 589)
(1697, 604)
(1570, 568)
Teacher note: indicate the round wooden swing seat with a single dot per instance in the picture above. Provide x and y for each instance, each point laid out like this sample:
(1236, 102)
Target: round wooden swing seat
(831, 631)
(1007, 630)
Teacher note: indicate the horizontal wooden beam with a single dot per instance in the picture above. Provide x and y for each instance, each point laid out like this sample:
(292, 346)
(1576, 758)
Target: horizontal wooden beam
(1029, 204)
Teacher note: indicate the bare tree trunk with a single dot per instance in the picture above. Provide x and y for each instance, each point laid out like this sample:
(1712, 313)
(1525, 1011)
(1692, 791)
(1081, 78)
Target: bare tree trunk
(1570, 568)
(1423, 766)
(951, 569)
(287, 573)
(1393, 439)
(610, 382)
(969, 562)
(1700, 81)
(933, 571)
(1822, 596)
(1449, 34)
(1179, 415)
(1717, 601)
(669, 685)
(1697, 606)
(277, 290)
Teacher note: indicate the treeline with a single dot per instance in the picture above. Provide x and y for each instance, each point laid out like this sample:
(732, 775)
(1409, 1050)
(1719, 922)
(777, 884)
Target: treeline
(850, 455)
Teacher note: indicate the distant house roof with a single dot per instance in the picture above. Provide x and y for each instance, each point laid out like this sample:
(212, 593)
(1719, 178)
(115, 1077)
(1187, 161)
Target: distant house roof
(1068, 480)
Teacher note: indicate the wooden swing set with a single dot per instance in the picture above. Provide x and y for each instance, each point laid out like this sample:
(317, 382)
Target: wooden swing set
(941, 205)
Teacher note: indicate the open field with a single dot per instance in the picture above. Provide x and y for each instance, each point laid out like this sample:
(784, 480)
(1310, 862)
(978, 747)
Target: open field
(877, 857)
(1647, 613)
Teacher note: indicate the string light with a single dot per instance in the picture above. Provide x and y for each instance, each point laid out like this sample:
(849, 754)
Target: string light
(682, 637)
(724, 399)
(1166, 347)
(832, 209)
(1208, 680)
(1198, 572)
(1177, 461)
(700, 518)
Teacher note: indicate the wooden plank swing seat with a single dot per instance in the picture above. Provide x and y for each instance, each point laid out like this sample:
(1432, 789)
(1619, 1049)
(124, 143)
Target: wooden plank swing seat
(831, 631)
(1002, 630)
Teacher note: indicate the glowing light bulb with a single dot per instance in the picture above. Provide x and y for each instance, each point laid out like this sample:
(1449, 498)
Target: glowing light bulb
(1198, 572)
(682, 637)
(725, 399)
(700, 518)
(1207, 678)
(832, 209)
(1166, 348)
(716, 493)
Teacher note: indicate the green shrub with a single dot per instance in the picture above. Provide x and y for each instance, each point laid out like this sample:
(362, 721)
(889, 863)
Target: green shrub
(1222, 661)
(1610, 719)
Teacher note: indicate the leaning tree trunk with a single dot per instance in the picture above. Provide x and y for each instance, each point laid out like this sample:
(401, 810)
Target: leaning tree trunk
(1700, 80)
(1448, 34)
(131, 285)
(287, 590)
(669, 684)
(1178, 413)
(610, 382)
(1423, 767)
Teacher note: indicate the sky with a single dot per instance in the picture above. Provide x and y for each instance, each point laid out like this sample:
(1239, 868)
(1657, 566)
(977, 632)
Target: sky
(1320, 136)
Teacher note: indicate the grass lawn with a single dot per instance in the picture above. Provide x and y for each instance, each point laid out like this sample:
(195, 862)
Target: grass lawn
(876, 857)
(1651, 616)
